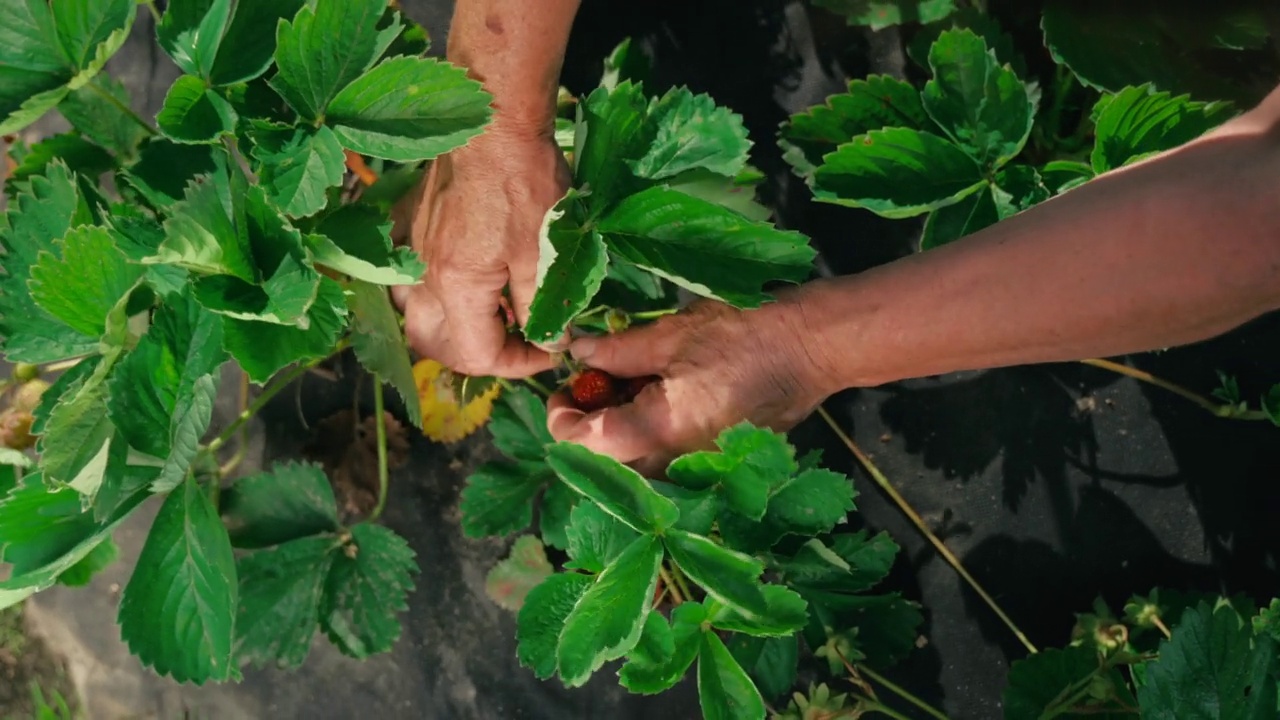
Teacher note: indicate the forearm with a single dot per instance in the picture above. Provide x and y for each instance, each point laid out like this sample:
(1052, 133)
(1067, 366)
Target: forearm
(1171, 251)
(516, 48)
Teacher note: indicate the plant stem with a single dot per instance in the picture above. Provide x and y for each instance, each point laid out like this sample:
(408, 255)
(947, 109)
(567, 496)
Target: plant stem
(243, 440)
(537, 386)
(876, 706)
(1155, 620)
(61, 365)
(128, 111)
(1216, 408)
(155, 14)
(247, 414)
(901, 692)
(671, 584)
(382, 447)
(920, 524)
(653, 314)
(680, 580)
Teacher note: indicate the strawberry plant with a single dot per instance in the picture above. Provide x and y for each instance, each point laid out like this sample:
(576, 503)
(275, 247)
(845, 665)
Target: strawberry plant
(141, 258)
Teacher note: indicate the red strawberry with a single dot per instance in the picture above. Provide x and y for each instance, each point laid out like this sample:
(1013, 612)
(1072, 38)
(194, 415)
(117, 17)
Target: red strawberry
(632, 386)
(593, 390)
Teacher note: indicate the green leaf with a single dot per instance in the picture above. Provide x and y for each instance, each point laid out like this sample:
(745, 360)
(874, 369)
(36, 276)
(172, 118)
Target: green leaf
(542, 618)
(1138, 122)
(42, 212)
(872, 103)
(814, 502)
(725, 692)
(519, 425)
(48, 49)
(1018, 187)
(1164, 43)
(646, 674)
(616, 488)
(79, 155)
(81, 284)
(1267, 621)
(408, 109)
(192, 113)
(772, 663)
(897, 173)
(731, 577)
(1271, 404)
(952, 222)
(46, 533)
(280, 595)
(987, 26)
(76, 448)
(611, 129)
(625, 62)
(1212, 667)
(209, 39)
(165, 170)
(367, 587)
(705, 248)
(572, 261)
(291, 501)
(852, 562)
(1035, 683)
(722, 191)
(250, 40)
(880, 14)
(596, 538)
(557, 505)
(982, 106)
(691, 132)
(298, 166)
(698, 508)
(98, 559)
(787, 613)
(380, 345)
(328, 44)
(752, 462)
(162, 393)
(191, 32)
(177, 613)
(496, 500)
(510, 581)
(607, 621)
(356, 239)
(202, 233)
(1060, 176)
(102, 120)
(264, 348)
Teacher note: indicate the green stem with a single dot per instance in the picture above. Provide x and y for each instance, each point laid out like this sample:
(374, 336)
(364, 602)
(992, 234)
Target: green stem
(128, 111)
(671, 585)
(901, 692)
(1218, 409)
(906, 508)
(653, 314)
(247, 414)
(155, 13)
(869, 705)
(539, 387)
(382, 448)
(680, 580)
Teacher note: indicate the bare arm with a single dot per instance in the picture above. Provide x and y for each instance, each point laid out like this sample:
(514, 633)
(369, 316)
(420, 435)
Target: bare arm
(477, 218)
(1170, 251)
(1176, 249)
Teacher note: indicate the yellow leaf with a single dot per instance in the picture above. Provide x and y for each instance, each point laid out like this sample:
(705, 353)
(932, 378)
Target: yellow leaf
(443, 419)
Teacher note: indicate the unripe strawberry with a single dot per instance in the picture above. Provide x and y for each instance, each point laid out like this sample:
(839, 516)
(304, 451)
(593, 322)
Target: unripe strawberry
(26, 398)
(593, 390)
(15, 430)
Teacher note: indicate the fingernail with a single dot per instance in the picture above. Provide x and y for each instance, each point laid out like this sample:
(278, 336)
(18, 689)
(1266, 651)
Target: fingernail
(583, 348)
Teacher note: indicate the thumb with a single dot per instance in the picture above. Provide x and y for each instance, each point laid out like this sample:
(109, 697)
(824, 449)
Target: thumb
(631, 353)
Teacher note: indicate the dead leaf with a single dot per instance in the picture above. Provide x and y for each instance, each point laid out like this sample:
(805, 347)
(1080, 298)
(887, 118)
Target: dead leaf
(444, 418)
(524, 569)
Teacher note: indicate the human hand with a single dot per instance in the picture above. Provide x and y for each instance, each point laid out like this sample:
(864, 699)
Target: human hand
(476, 225)
(718, 366)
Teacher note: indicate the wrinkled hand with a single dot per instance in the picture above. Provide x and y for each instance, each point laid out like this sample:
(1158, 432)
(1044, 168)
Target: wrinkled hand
(476, 225)
(718, 366)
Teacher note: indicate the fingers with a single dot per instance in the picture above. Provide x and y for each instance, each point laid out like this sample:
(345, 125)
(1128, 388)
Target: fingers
(627, 433)
(632, 353)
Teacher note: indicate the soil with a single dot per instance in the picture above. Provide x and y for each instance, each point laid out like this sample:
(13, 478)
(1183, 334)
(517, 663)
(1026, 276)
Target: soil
(27, 661)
